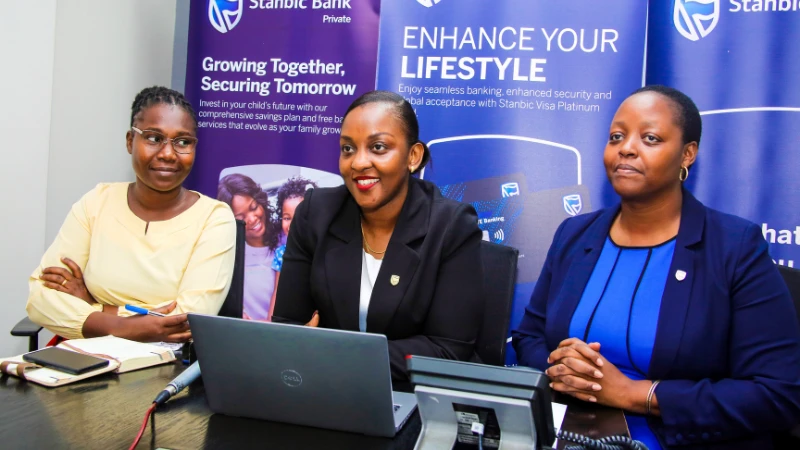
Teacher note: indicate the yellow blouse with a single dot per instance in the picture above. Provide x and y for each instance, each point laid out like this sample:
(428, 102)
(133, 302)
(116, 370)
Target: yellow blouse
(188, 258)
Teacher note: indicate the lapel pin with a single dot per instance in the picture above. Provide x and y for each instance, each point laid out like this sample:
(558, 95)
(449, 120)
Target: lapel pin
(395, 279)
(680, 275)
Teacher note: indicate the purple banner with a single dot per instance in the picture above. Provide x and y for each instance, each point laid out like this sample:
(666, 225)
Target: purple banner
(270, 81)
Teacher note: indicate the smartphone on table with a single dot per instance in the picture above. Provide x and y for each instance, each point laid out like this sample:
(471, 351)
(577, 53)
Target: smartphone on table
(65, 360)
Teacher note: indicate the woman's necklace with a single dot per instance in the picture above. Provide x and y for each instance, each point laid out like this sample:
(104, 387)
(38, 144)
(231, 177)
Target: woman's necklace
(366, 244)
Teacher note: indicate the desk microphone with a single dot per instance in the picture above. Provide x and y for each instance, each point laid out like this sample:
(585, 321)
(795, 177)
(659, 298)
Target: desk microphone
(180, 382)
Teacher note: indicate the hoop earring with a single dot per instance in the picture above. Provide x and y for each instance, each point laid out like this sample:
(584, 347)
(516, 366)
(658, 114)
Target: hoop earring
(683, 174)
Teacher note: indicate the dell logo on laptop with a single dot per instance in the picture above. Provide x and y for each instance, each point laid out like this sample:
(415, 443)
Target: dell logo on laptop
(291, 378)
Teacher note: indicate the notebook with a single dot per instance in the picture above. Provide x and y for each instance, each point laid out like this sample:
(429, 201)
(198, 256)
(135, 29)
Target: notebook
(123, 356)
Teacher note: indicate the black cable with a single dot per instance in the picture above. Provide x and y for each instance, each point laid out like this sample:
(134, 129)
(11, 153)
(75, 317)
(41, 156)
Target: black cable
(625, 442)
(606, 443)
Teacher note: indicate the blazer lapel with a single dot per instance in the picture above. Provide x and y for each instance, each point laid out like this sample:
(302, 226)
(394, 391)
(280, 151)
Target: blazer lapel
(343, 265)
(675, 302)
(400, 261)
(578, 274)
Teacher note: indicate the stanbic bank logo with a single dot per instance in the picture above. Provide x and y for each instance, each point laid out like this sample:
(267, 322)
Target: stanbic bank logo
(695, 19)
(428, 3)
(224, 14)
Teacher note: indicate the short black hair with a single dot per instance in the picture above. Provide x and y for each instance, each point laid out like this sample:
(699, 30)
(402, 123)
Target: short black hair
(294, 187)
(238, 184)
(687, 115)
(158, 95)
(403, 110)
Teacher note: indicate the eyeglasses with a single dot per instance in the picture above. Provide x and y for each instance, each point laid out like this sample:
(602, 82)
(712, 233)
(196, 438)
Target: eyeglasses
(155, 140)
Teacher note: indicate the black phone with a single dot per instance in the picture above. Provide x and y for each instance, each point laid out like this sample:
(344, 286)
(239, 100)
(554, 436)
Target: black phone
(65, 360)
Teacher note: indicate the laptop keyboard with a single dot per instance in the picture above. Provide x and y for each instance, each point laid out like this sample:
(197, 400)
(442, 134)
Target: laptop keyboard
(396, 407)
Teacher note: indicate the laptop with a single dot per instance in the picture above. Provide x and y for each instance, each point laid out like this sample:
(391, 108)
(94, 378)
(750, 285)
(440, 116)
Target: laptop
(317, 377)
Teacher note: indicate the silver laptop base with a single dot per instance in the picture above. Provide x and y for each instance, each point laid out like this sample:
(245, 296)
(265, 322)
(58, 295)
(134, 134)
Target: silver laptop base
(440, 424)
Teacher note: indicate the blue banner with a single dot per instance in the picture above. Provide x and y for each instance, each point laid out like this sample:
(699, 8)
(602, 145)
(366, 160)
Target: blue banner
(515, 99)
(738, 60)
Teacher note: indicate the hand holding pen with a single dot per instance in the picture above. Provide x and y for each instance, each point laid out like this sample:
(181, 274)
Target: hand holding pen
(157, 325)
(143, 311)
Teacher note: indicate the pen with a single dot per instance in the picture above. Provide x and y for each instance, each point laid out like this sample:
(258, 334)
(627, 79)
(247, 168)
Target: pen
(143, 311)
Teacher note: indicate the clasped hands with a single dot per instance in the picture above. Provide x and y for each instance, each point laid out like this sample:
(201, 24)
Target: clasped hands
(148, 328)
(578, 369)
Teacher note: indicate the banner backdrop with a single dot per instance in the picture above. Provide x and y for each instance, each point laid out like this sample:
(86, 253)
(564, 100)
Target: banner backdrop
(515, 99)
(738, 60)
(270, 81)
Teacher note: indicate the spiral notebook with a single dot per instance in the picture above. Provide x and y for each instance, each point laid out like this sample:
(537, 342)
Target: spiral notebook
(123, 355)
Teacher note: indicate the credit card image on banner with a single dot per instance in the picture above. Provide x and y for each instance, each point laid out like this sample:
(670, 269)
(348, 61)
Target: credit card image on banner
(486, 188)
(543, 212)
(528, 223)
(544, 164)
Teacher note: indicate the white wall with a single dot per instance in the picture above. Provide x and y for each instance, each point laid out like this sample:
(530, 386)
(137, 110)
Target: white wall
(70, 72)
(106, 52)
(27, 33)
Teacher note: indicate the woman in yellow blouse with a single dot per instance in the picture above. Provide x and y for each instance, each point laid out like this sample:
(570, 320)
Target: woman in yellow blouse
(151, 243)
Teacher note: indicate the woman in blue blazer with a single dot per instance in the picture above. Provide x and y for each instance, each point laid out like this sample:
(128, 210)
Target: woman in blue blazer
(385, 253)
(660, 306)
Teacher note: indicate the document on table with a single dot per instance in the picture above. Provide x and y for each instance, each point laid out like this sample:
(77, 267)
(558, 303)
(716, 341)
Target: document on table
(559, 411)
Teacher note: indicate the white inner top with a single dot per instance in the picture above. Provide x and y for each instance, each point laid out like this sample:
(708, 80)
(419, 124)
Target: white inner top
(369, 273)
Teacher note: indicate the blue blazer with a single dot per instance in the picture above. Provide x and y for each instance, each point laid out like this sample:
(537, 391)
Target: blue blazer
(727, 345)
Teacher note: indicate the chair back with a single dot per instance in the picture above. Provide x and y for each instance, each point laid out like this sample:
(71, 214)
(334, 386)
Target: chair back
(499, 278)
(234, 302)
(791, 277)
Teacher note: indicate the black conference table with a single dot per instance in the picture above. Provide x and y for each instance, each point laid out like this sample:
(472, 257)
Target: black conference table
(105, 412)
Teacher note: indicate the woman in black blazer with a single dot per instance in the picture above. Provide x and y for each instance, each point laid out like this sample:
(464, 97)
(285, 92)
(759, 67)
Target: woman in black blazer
(385, 253)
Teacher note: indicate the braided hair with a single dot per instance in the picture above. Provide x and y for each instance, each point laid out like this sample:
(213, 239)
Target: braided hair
(159, 95)
(294, 187)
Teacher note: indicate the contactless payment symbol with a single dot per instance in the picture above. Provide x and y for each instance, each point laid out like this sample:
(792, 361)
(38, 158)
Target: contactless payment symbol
(573, 204)
(509, 189)
(224, 14)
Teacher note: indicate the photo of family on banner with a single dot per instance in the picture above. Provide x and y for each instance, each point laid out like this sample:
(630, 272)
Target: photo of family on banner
(265, 197)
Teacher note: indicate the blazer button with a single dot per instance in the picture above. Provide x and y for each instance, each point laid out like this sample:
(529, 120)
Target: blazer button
(705, 436)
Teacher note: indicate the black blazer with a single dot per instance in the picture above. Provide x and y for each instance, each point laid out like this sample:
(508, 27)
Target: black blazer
(434, 310)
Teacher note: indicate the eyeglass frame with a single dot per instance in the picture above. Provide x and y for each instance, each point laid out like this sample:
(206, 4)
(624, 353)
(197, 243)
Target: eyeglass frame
(172, 141)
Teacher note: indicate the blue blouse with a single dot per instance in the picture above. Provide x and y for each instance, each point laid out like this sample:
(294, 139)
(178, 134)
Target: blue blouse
(619, 309)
